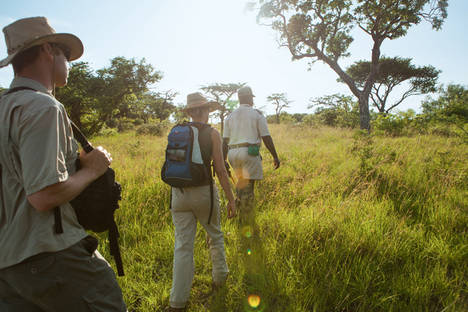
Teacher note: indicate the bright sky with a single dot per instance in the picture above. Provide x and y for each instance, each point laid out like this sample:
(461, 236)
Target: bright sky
(198, 42)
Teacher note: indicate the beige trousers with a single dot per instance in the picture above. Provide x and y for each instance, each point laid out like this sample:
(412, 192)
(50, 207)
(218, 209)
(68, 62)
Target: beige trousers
(190, 205)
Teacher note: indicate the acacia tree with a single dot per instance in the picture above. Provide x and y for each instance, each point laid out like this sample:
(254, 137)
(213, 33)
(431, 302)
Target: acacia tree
(222, 93)
(394, 72)
(320, 30)
(280, 101)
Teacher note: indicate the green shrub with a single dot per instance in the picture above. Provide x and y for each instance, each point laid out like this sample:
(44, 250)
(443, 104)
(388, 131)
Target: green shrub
(108, 132)
(286, 118)
(401, 123)
(138, 122)
(155, 128)
(311, 120)
(125, 125)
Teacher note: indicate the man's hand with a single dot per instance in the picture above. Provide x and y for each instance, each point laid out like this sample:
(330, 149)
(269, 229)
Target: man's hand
(271, 148)
(97, 161)
(231, 209)
(276, 163)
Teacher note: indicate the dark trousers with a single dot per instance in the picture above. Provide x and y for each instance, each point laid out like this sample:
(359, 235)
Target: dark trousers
(76, 279)
(245, 199)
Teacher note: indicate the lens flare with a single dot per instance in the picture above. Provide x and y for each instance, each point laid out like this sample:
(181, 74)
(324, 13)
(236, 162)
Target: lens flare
(254, 301)
(249, 252)
(247, 231)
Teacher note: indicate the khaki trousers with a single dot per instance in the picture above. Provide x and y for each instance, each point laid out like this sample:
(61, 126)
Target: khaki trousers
(190, 205)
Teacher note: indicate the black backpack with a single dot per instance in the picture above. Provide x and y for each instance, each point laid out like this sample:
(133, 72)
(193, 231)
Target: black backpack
(96, 204)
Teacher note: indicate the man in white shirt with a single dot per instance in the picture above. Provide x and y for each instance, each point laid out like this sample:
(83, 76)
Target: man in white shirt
(244, 130)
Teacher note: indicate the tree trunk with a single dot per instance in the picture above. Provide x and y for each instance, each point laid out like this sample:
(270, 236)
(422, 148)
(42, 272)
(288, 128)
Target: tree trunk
(364, 116)
(277, 119)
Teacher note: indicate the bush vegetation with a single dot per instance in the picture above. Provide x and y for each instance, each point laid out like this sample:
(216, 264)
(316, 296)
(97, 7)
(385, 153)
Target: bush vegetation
(447, 115)
(156, 128)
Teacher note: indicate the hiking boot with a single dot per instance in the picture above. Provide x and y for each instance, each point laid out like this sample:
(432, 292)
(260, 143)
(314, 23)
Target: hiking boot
(215, 286)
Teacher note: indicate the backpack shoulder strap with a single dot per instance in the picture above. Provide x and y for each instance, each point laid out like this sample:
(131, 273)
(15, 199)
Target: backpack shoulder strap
(206, 147)
(204, 138)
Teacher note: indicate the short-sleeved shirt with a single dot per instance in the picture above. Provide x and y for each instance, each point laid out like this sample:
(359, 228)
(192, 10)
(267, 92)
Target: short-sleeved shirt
(37, 150)
(245, 125)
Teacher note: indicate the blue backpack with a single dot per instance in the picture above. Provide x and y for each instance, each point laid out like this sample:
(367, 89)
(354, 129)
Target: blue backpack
(188, 157)
(185, 165)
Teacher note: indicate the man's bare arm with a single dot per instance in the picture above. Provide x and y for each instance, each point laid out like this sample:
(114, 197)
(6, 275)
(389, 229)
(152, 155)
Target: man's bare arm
(268, 141)
(225, 148)
(94, 164)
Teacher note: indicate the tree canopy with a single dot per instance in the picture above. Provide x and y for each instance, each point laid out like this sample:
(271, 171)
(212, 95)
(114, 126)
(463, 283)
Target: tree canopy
(320, 30)
(115, 93)
(450, 107)
(393, 72)
(122, 83)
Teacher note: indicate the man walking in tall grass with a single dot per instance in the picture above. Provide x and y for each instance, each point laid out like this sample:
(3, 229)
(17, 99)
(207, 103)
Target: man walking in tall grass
(42, 267)
(198, 203)
(244, 129)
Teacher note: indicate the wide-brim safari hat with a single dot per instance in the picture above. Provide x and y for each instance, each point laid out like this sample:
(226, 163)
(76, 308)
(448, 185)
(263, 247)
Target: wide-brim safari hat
(196, 100)
(29, 32)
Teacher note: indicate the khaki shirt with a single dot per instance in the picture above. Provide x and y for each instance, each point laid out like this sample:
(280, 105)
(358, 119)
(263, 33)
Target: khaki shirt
(37, 150)
(245, 125)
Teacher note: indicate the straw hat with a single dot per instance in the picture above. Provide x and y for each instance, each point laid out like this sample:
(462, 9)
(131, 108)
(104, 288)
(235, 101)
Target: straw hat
(28, 32)
(195, 100)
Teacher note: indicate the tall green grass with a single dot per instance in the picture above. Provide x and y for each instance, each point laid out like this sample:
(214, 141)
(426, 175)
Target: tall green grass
(348, 223)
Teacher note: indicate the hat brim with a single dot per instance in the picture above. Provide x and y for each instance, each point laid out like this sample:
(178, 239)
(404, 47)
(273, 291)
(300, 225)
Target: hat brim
(72, 42)
(211, 104)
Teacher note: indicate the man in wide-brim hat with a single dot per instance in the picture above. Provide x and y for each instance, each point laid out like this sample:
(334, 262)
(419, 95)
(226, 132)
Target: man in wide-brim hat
(199, 204)
(41, 267)
(29, 32)
(197, 100)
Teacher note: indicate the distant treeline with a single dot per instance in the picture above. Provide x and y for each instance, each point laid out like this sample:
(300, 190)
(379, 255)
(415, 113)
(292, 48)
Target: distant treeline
(447, 115)
(119, 97)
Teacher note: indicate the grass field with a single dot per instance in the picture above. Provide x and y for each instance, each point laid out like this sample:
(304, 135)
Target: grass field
(347, 223)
